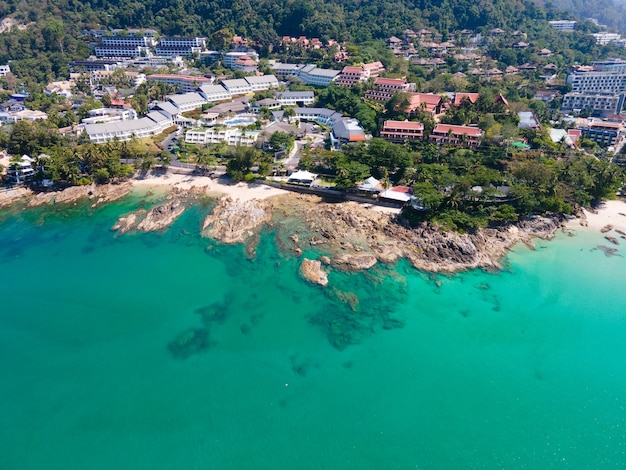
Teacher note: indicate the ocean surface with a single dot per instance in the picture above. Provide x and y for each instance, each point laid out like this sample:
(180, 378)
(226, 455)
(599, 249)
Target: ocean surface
(168, 351)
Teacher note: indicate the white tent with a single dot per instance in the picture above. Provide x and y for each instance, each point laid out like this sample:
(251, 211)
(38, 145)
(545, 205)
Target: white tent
(371, 184)
(302, 176)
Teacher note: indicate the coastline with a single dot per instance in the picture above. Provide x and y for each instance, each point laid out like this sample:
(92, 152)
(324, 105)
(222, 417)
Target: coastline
(609, 213)
(348, 236)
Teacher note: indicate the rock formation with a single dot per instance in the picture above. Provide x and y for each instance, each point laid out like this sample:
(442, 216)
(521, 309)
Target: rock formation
(234, 221)
(312, 271)
(161, 216)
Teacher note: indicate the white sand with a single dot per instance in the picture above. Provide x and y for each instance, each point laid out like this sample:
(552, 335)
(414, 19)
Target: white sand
(241, 191)
(609, 213)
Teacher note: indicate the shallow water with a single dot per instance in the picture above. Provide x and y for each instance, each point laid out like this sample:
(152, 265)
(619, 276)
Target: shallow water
(170, 351)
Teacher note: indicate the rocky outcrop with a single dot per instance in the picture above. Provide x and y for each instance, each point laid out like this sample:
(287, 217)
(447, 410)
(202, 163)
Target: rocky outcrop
(356, 262)
(234, 221)
(356, 238)
(99, 194)
(12, 196)
(161, 216)
(128, 223)
(312, 271)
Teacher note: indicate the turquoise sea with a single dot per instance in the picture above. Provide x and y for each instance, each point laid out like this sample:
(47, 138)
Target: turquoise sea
(169, 351)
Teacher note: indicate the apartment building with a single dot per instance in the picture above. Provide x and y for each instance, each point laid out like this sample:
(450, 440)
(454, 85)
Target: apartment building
(229, 136)
(604, 133)
(456, 135)
(154, 123)
(401, 131)
(324, 116)
(385, 88)
(351, 75)
(600, 104)
(563, 25)
(183, 83)
(296, 98)
(312, 75)
(127, 41)
(130, 52)
(263, 82)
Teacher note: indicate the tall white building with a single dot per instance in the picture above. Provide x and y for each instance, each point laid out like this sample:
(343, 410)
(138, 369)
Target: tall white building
(563, 25)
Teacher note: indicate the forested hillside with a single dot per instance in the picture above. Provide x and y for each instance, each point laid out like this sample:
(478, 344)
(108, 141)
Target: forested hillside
(608, 12)
(51, 35)
(354, 20)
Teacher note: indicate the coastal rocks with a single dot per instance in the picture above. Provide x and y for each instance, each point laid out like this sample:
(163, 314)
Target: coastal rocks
(13, 195)
(98, 193)
(356, 238)
(161, 216)
(613, 240)
(355, 262)
(128, 223)
(312, 271)
(153, 220)
(233, 221)
(606, 228)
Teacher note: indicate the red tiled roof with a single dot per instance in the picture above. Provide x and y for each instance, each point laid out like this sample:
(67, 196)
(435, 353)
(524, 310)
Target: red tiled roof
(460, 97)
(401, 189)
(390, 81)
(404, 125)
(352, 69)
(459, 130)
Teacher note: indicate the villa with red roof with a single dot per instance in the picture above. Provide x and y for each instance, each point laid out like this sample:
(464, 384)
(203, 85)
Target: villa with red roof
(401, 131)
(460, 98)
(456, 135)
(428, 102)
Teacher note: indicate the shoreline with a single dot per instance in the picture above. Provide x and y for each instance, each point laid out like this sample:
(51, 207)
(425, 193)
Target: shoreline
(610, 213)
(353, 236)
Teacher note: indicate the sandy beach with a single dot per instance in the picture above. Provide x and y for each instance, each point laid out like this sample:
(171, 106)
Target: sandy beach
(241, 191)
(609, 213)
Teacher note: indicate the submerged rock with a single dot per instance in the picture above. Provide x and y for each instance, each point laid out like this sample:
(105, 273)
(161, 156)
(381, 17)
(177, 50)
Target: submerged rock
(312, 271)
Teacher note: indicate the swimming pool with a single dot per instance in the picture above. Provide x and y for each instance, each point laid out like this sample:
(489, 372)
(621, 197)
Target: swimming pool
(239, 121)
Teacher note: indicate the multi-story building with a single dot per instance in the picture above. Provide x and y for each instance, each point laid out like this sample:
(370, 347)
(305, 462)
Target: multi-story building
(456, 135)
(563, 25)
(93, 65)
(605, 134)
(609, 65)
(188, 42)
(385, 88)
(600, 104)
(213, 93)
(4, 70)
(246, 65)
(345, 131)
(401, 131)
(605, 38)
(174, 46)
(187, 101)
(127, 41)
(229, 136)
(597, 82)
(154, 123)
(262, 83)
(103, 51)
(296, 98)
(237, 86)
(283, 71)
(312, 75)
(350, 75)
(183, 83)
(324, 116)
